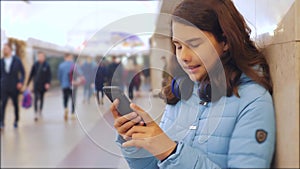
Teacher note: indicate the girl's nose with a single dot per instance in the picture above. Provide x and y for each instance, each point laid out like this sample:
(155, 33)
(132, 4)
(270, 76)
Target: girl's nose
(186, 55)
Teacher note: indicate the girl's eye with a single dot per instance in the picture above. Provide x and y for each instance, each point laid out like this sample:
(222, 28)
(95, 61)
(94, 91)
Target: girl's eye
(194, 45)
(178, 47)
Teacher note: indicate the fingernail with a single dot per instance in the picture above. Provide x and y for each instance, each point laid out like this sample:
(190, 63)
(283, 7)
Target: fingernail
(125, 138)
(133, 114)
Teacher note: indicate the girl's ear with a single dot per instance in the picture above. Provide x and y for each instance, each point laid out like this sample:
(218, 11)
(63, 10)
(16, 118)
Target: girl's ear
(226, 46)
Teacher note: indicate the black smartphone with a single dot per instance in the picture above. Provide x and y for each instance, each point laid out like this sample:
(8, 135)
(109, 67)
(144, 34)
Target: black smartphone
(114, 92)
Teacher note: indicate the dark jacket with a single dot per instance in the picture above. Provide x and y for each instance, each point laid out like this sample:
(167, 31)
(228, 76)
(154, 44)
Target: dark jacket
(114, 73)
(16, 74)
(40, 78)
(101, 77)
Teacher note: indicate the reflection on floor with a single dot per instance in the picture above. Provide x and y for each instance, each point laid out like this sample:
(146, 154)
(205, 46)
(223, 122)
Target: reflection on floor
(87, 141)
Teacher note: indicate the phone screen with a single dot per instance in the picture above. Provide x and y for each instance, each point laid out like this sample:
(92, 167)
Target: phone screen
(114, 92)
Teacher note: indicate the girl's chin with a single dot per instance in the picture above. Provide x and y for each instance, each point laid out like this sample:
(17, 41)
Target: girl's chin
(193, 78)
(196, 78)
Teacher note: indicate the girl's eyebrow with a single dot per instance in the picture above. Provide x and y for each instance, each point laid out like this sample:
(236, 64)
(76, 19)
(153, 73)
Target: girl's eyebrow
(187, 41)
(193, 39)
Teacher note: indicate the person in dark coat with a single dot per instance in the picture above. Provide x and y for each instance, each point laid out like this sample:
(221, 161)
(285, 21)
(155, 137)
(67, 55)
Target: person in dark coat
(41, 75)
(115, 73)
(12, 78)
(88, 70)
(101, 78)
(132, 76)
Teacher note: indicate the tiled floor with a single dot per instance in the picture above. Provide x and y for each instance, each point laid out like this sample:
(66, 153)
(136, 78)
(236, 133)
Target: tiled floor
(87, 141)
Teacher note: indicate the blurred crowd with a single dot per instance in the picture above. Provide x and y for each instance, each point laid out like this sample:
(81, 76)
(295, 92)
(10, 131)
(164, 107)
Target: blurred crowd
(90, 73)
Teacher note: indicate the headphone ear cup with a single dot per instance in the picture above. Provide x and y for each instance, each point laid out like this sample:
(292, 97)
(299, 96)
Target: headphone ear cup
(204, 91)
(175, 88)
(182, 87)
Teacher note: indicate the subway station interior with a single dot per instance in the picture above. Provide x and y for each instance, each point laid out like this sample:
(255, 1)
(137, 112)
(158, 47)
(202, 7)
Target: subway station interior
(137, 35)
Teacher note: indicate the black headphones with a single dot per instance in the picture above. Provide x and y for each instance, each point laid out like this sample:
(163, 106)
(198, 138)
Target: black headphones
(182, 88)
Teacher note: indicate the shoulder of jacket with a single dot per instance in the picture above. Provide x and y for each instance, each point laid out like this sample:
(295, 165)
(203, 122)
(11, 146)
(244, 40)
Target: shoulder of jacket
(252, 92)
(46, 64)
(172, 108)
(61, 64)
(16, 58)
(170, 111)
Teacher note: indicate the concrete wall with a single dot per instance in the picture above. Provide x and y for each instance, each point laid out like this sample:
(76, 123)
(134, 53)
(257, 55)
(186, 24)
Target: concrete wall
(283, 56)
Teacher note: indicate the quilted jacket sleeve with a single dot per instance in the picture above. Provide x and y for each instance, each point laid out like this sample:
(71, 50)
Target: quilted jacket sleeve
(253, 139)
(137, 158)
(187, 157)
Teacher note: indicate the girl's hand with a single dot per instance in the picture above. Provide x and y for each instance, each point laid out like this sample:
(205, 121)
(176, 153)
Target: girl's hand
(150, 137)
(124, 123)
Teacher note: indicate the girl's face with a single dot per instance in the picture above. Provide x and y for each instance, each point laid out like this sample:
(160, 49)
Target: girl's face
(197, 51)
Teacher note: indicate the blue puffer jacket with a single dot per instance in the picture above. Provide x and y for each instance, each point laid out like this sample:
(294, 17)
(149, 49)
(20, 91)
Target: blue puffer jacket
(231, 133)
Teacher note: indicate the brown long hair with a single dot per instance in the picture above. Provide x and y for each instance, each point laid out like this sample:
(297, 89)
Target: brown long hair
(223, 20)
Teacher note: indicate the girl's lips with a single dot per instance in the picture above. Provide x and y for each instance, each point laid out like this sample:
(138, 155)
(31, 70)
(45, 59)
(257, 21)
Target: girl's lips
(193, 69)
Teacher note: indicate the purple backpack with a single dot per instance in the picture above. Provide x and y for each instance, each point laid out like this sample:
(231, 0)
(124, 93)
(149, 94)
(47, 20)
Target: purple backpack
(27, 99)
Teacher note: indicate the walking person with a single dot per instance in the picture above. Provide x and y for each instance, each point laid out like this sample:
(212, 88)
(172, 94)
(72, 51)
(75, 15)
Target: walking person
(100, 80)
(128, 74)
(41, 75)
(88, 71)
(165, 74)
(133, 77)
(12, 78)
(65, 77)
(115, 73)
